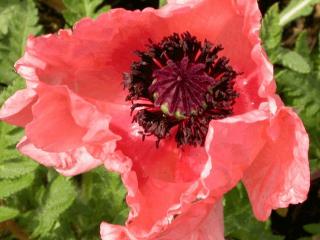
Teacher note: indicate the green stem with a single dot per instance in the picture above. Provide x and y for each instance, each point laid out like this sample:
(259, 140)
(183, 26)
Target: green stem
(286, 18)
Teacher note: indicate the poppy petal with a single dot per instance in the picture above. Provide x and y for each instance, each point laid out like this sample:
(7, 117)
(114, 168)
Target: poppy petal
(280, 175)
(67, 163)
(17, 109)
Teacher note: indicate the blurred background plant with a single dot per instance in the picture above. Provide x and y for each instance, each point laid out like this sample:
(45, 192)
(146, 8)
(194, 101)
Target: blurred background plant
(37, 203)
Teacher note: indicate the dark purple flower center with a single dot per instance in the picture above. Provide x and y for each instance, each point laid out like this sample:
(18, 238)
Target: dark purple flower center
(179, 86)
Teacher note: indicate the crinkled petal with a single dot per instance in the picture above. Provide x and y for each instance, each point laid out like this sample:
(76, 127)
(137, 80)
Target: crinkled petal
(17, 109)
(67, 132)
(204, 221)
(114, 232)
(280, 175)
(91, 58)
(69, 163)
(167, 163)
(241, 41)
(84, 67)
(235, 24)
(53, 128)
(63, 121)
(233, 143)
(158, 174)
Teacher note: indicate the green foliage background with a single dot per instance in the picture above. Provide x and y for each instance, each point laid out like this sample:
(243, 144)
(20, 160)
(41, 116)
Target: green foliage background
(37, 203)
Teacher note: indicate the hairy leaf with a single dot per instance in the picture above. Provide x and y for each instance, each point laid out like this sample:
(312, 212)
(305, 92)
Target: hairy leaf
(302, 45)
(239, 221)
(16, 84)
(9, 136)
(271, 32)
(59, 198)
(294, 61)
(11, 186)
(317, 58)
(23, 23)
(162, 3)
(312, 228)
(7, 213)
(302, 91)
(105, 191)
(6, 15)
(17, 167)
(76, 9)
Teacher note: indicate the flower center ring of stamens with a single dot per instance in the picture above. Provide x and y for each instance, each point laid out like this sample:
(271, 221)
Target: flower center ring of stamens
(182, 84)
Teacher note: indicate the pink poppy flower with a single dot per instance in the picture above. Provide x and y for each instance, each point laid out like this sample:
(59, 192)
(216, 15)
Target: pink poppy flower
(198, 114)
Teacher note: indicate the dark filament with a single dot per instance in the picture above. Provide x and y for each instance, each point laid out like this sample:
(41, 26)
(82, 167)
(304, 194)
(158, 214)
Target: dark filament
(179, 86)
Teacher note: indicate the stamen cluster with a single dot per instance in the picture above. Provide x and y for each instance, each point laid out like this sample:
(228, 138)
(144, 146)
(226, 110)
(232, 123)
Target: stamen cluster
(179, 86)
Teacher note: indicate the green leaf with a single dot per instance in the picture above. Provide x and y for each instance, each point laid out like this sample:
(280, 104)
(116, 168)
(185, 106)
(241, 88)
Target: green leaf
(239, 221)
(76, 9)
(315, 163)
(11, 186)
(21, 30)
(16, 84)
(7, 155)
(271, 31)
(302, 45)
(162, 3)
(111, 190)
(317, 58)
(302, 92)
(295, 86)
(296, 9)
(104, 191)
(6, 15)
(60, 197)
(13, 169)
(121, 217)
(312, 228)
(294, 61)
(9, 136)
(7, 213)
(13, 44)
